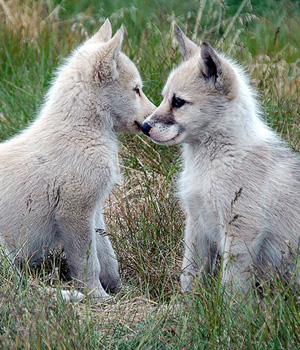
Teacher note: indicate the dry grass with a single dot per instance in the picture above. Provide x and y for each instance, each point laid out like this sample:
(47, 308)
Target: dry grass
(29, 17)
(278, 82)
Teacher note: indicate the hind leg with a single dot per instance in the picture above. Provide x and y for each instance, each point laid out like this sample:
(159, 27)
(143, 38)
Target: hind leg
(109, 277)
(80, 245)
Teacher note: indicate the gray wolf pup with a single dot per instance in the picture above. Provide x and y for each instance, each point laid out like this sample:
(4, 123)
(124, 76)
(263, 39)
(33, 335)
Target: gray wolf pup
(56, 174)
(240, 184)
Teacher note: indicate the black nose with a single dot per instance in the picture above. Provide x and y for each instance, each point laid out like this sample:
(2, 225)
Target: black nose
(145, 127)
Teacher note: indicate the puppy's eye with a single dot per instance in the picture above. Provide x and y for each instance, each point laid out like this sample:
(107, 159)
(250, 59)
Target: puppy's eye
(137, 90)
(177, 102)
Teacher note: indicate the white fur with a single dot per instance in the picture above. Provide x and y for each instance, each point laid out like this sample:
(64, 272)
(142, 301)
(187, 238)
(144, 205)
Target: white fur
(240, 185)
(55, 175)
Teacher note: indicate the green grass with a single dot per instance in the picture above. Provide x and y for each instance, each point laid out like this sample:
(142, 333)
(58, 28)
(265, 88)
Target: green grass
(144, 217)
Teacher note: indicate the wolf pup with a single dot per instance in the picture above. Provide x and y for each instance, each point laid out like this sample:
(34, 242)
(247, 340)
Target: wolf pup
(240, 184)
(55, 175)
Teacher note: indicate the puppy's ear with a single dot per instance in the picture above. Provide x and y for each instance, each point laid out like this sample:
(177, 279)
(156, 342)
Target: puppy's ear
(218, 72)
(114, 45)
(106, 66)
(211, 65)
(187, 47)
(103, 34)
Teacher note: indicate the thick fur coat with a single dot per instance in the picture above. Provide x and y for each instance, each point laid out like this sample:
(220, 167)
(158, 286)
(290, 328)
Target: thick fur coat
(56, 174)
(240, 184)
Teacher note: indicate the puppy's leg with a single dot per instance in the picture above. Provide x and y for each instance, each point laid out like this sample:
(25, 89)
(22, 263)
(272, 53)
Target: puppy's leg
(109, 277)
(199, 254)
(238, 257)
(79, 242)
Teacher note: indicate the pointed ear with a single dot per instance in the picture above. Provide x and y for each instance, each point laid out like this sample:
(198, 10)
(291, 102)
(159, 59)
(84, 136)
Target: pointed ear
(187, 47)
(211, 65)
(103, 34)
(113, 46)
(106, 65)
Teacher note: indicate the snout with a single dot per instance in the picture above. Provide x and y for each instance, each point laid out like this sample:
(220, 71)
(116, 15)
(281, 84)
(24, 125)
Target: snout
(146, 127)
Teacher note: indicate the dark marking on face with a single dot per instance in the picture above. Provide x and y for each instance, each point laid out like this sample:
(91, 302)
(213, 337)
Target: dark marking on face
(167, 119)
(136, 125)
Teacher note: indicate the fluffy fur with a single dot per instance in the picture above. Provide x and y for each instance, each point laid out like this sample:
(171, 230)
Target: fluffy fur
(240, 184)
(55, 175)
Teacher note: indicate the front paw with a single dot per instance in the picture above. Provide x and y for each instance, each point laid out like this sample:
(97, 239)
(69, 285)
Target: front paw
(100, 296)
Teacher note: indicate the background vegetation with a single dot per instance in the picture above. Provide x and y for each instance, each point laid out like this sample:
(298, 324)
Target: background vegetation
(144, 217)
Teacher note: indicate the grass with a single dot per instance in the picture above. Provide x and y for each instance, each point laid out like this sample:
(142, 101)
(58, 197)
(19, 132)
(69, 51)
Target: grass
(144, 218)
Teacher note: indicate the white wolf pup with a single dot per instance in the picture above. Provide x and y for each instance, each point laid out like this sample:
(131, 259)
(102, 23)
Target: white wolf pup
(55, 175)
(240, 184)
